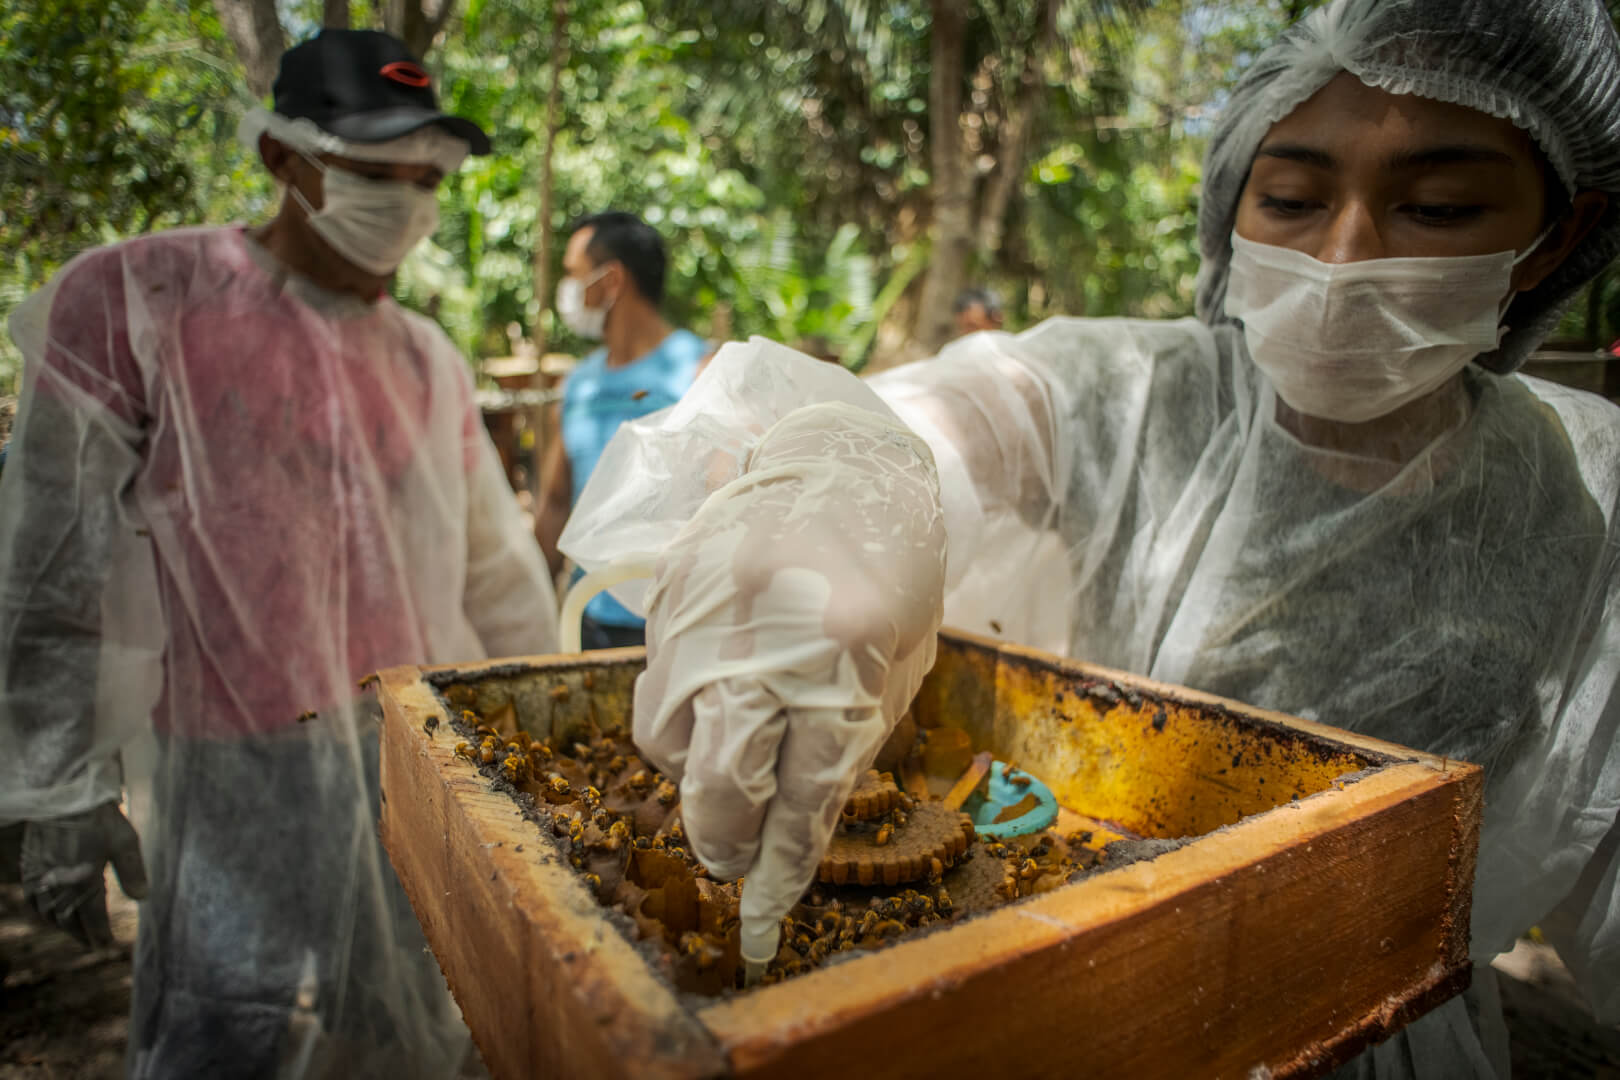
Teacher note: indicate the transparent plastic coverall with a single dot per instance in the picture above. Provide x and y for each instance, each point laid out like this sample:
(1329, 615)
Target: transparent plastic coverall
(1121, 490)
(231, 495)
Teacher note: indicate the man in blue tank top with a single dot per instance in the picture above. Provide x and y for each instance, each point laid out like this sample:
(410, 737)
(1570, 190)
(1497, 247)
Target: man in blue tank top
(611, 290)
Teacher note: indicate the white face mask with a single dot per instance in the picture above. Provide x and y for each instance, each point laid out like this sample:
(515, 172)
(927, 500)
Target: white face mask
(587, 322)
(371, 223)
(1356, 341)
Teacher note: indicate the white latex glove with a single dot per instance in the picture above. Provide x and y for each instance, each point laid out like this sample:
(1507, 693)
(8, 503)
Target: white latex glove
(789, 625)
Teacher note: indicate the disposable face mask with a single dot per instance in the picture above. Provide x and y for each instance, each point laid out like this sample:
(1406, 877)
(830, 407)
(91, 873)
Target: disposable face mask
(1356, 341)
(587, 322)
(372, 223)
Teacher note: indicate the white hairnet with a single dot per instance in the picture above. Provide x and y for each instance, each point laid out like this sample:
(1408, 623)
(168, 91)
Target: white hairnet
(424, 146)
(1551, 67)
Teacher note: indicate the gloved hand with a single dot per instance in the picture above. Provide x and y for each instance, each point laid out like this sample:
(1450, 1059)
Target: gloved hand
(790, 623)
(63, 867)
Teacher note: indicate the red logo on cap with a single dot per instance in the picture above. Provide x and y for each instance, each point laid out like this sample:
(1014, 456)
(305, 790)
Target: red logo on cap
(405, 72)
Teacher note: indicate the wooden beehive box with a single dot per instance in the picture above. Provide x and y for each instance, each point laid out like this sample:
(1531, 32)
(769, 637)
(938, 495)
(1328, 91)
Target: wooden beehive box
(1321, 903)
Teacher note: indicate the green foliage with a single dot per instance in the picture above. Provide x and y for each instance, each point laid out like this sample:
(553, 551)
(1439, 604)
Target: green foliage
(116, 117)
(780, 146)
(639, 132)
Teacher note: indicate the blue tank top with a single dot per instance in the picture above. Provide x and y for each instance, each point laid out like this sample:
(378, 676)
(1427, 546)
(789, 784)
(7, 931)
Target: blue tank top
(597, 399)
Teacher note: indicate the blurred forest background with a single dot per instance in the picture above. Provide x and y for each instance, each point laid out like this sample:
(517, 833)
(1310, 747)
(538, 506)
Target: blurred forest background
(838, 168)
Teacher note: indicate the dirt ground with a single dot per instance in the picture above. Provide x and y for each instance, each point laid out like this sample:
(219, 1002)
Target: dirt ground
(63, 1011)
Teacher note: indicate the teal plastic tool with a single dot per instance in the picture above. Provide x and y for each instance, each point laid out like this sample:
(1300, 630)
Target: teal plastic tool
(1007, 792)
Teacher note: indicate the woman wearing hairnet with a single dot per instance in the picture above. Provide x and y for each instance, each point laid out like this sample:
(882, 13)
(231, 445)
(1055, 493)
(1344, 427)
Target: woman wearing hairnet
(1328, 495)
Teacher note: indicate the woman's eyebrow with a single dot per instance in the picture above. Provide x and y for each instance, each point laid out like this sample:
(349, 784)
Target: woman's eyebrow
(1427, 157)
(1430, 157)
(1303, 155)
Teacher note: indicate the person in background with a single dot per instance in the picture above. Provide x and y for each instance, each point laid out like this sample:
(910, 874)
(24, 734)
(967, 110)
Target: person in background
(614, 269)
(242, 479)
(976, 309)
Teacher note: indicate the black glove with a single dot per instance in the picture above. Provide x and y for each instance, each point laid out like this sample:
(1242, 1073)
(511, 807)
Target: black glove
(64, 863)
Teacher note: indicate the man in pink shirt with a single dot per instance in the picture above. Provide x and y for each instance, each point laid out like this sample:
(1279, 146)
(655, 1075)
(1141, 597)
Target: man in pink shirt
(242, 479)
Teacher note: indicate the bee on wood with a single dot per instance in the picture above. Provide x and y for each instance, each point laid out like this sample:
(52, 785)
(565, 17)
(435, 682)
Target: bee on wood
(921, 905)
(668, 793)
(640, 780)
(594, 881)
(464, 751)
(883, 834)
(943, 903)
(889, 928)
(515, 768)
(900, 819)
(643, 843)
(560, 787)
(1028, 869)
(486, 752)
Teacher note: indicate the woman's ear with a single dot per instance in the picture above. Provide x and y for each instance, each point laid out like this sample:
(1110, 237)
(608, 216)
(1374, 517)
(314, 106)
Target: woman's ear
(1585, 210)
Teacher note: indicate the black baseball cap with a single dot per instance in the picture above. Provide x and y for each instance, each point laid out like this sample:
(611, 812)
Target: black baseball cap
(364, 86)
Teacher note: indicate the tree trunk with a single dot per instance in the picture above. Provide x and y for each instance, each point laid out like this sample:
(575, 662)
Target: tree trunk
(416, 22)
(335, 15)
(543, 234)
(256, 33)
(1022, 115)
(952, 185)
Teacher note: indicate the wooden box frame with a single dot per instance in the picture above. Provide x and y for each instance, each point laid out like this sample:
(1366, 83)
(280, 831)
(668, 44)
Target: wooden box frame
(1323, 904)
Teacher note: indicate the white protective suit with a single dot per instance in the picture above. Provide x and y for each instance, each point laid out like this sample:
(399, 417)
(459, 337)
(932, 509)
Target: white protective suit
(1120, 490)
(231, 495)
